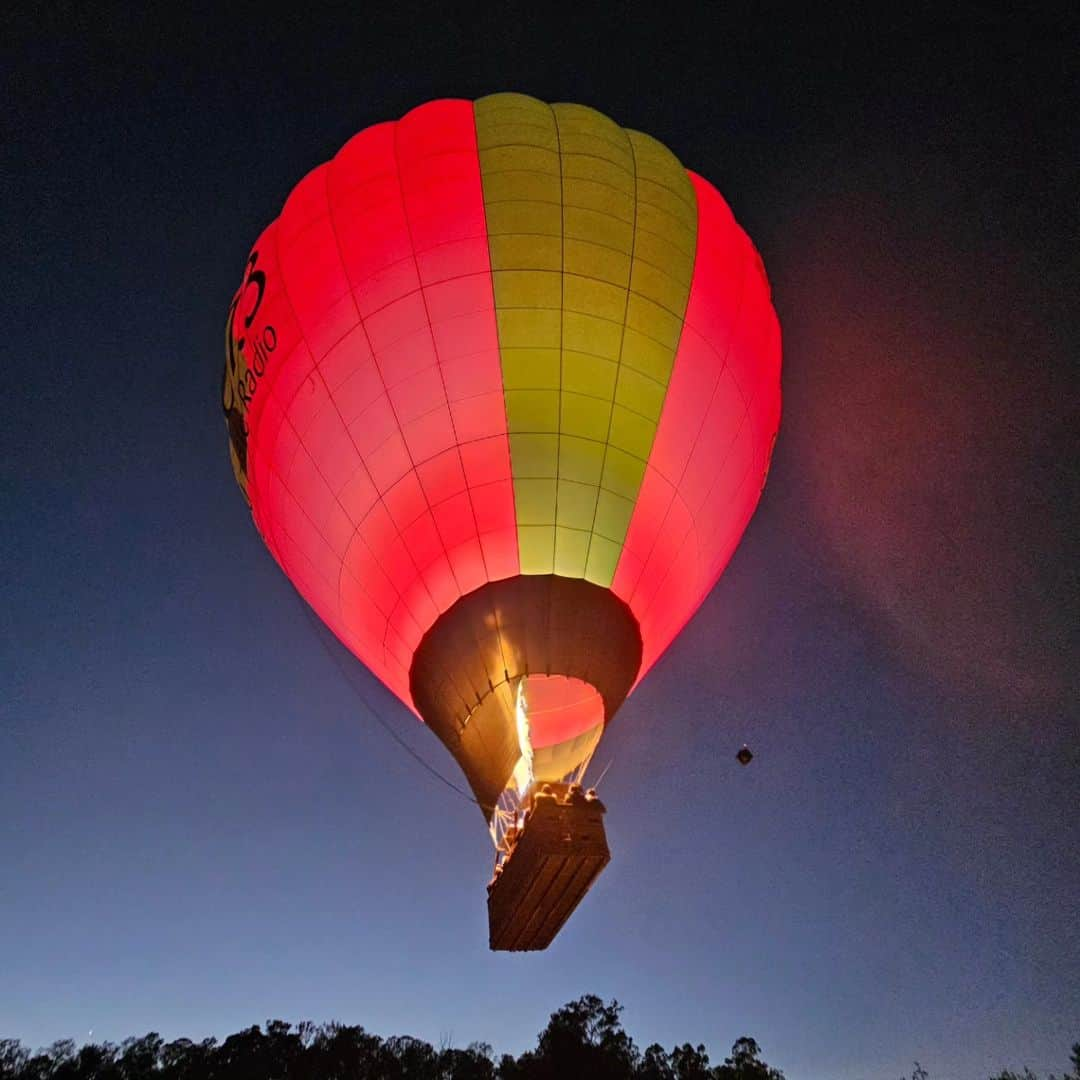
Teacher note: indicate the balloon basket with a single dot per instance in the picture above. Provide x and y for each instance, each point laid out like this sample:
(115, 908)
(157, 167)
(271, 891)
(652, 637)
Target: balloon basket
(560, 852)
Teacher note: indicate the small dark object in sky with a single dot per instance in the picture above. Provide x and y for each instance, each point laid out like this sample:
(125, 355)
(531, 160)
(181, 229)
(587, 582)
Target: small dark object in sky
(744, 756)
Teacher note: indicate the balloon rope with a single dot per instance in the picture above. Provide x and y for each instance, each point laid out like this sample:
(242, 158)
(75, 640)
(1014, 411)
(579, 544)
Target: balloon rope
(603, 774)
(319, 628)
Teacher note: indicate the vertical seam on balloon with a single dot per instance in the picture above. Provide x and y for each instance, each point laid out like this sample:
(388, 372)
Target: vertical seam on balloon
(562, 321)
(664, 405)
(618, 368)
(745, 476)
(664, 632)
(299, 442)
(281, 479)
(723, 366)
(289, 536)
(697, 577)
(386, 393)
(498, 340)
(442, 378)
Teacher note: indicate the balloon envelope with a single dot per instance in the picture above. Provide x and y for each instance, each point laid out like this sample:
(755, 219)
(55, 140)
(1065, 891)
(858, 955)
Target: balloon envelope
(502, 383)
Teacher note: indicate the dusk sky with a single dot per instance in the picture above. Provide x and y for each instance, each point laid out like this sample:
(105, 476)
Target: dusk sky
(202, 827)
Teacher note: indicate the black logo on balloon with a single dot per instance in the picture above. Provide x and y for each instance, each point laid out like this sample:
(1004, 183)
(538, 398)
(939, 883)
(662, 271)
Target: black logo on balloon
(246, 360)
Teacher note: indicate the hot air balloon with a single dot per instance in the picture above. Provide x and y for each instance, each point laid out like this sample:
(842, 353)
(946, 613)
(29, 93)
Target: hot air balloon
(502, 383)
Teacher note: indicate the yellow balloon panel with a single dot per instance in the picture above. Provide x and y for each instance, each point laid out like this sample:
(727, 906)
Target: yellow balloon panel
(592, 235)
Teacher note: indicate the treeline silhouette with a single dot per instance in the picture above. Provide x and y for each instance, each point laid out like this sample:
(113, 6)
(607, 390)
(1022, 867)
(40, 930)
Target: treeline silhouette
(583, 1040)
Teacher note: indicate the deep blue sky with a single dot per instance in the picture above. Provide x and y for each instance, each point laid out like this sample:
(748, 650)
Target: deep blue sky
(199, 826)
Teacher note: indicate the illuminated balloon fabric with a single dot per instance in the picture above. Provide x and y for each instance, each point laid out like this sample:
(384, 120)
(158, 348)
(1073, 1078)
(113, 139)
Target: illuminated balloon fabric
(502, 384)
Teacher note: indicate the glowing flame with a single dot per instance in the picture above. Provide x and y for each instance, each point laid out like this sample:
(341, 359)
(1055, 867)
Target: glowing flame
(523, 772)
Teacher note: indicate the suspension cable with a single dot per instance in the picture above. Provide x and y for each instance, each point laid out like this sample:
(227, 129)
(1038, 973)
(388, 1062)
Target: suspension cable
(320, 628)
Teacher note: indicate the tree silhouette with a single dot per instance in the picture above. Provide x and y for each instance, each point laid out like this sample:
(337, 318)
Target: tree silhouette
(691, 1063)
(745, 1064)
(584, 1035)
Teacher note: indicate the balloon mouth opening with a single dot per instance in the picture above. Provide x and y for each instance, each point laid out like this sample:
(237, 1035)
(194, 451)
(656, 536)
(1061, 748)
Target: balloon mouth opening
(559, 722)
